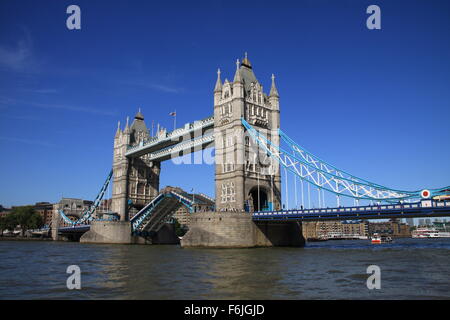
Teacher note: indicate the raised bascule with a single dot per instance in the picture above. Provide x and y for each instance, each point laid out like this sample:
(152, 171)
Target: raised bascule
(250, 152)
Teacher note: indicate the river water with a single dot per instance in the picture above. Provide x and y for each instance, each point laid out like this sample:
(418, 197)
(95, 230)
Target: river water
(410, 269)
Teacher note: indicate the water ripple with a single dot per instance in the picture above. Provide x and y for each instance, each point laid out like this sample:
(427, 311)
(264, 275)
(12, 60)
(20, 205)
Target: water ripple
(410, 269)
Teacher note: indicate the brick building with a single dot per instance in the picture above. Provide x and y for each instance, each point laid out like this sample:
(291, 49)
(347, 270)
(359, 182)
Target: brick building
(392, 228)
(335, 229)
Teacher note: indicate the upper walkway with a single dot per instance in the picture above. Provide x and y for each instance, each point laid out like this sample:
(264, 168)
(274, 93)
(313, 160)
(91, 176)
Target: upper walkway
(165, 139)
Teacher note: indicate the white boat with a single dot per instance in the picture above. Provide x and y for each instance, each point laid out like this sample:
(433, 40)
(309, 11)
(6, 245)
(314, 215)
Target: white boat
(426, 232)
(377, 239)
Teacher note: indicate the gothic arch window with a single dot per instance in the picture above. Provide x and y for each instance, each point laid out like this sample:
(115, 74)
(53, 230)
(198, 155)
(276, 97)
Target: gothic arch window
(228, 192)
(141, 188)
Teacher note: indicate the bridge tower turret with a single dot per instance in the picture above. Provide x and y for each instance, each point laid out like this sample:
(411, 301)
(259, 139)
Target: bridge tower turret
(144, 174)
(245, 177)
(120, 172)
(135, 180)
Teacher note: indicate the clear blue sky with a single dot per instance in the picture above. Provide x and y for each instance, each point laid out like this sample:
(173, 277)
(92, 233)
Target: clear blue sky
(375, 103)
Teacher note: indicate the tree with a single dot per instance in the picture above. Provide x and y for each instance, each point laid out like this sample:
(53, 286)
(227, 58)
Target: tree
(2, 224)
(26, 217)
(179, 230)
(8, 222)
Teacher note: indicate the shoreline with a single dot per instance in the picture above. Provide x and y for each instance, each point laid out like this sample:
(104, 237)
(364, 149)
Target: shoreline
(24, 239)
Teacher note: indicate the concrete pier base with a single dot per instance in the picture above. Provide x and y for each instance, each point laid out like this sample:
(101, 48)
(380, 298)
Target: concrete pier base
(165, 235)
(237, 230)
(108, 232)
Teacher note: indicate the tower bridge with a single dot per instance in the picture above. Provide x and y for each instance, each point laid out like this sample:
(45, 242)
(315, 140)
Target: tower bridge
(251, 150)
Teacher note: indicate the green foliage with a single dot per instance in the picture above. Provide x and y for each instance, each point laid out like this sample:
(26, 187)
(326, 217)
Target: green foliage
(3, 223)
(179, 230)
(8, 222)
(26, 217)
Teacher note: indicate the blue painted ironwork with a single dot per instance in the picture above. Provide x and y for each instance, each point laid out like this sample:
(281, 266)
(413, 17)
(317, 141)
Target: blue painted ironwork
(139, 221)
(87, 215)
(319, 173)
(424, 208)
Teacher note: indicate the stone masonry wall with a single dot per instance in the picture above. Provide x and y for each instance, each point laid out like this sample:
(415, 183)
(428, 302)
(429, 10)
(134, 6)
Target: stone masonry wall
(237, 230)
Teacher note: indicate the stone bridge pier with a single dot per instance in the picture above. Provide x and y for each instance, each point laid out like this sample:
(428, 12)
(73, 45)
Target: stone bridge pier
(237, 230)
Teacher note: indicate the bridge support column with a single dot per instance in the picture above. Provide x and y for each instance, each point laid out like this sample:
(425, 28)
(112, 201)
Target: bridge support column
(55, 223)
(166, 235)
(118, 232)
(237, 230)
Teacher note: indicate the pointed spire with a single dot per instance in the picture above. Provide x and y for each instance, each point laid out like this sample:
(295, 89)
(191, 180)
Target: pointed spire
(273, 89)
(246, 62)
(218, 86)
(237, 75)
(127, 128)
(139, 115)
(118, 132)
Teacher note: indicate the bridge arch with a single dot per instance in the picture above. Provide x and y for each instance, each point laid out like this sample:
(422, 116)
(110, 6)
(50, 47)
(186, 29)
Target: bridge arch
(259, 198)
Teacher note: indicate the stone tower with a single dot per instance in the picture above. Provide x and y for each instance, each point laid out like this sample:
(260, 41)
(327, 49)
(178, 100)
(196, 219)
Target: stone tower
(135, 180)
(246, 179)
(120, 172)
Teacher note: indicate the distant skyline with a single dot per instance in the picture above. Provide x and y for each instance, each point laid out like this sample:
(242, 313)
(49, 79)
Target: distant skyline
(375, 103)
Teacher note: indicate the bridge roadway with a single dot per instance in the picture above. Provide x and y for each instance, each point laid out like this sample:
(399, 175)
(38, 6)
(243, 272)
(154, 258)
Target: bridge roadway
(423, 209)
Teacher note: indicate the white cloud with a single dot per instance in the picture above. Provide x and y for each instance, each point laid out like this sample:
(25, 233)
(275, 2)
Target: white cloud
(165, 88)
(17, 57)
(8, 102)
(28, 141)
(153, 86)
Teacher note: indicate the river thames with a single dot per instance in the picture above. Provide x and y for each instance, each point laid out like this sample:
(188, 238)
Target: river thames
(410, 269)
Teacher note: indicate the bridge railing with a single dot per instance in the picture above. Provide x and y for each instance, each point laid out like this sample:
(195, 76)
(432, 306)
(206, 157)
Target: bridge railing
(414, 205)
